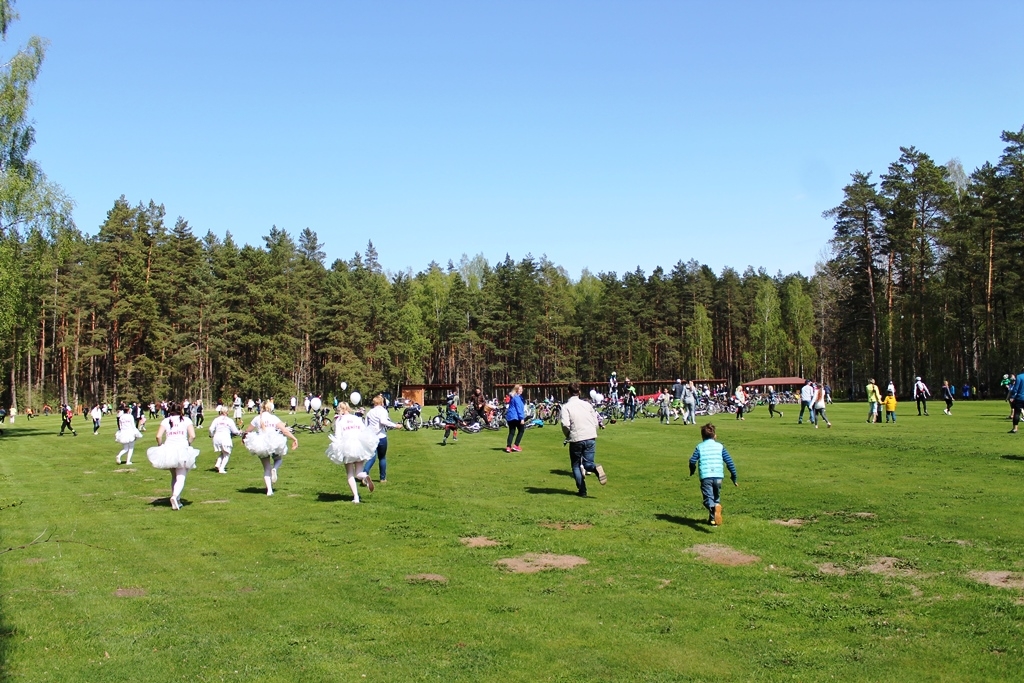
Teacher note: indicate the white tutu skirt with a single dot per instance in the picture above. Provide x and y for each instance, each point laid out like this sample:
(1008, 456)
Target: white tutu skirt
(222, 444)
(270, 445)
(126, 437)
(354, 446)
(170, 456)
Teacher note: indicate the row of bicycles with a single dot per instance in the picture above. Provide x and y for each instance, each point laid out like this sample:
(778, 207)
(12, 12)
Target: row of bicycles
(550, 412)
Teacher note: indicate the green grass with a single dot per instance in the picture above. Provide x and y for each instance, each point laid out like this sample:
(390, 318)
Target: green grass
(305, 586)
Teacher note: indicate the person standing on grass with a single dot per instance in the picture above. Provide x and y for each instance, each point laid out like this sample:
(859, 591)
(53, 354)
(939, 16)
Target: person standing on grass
(579, 425)
(948, 395)
(354, 443)
(665, 407)
(613, 387)
(807, 402)
(712, 459)
(451, 420)
(773, 402)
(267, 438)
(690, 403)
(222, 428)
(378, 420)
(889, 403)
(127, 434)
(874, 399)
(174, 450)
(515, 415)
(630, 391)
(819, 406)
(1016, 399)
(292, 405)
(65, 419)
(96, 414)
(921, 395)
(740, 397)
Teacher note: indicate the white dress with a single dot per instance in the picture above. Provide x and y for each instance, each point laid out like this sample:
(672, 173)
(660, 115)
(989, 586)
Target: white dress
(352, 441)
(175, 451)
(266, 441)
(221, 429)
(126, 433)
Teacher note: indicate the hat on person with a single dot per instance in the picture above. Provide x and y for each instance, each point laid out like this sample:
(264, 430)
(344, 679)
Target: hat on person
(678, 381)
(917, 379)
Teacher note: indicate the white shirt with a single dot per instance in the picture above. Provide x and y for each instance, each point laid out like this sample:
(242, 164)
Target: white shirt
(266, 422)
(378, 421)
(125, 421)
(807, 393)
(347, 423)
(222, 425)
(176, 430)
(96, 413)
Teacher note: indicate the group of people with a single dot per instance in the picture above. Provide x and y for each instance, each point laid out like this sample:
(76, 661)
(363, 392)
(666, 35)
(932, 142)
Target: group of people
(888, 403)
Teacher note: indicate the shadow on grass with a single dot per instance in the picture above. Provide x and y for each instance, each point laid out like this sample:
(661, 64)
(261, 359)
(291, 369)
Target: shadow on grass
(9, 433)
(325, 497)
(166, 502)
(1012, 457)
(548, 491)
(253, 489)
(695, 524)
(565, 473)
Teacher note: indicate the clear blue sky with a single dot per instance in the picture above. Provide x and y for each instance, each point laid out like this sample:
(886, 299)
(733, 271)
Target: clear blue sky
(607, 135)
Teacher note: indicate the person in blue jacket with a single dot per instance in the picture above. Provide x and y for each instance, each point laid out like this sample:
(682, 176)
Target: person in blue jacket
(514, 416)
(712, 458)
(1016, 398)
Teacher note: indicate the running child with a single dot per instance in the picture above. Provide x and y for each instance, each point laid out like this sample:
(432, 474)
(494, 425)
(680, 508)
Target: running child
(712, 458)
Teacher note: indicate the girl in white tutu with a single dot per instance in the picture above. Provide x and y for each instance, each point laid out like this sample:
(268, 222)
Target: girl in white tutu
(221, 430)
(127, 434)
(267, 439)
(352, 444)
(174, 451)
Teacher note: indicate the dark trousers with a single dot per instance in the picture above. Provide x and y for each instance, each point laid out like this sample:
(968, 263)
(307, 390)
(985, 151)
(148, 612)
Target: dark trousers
(66, 424)
(922, 402)
(515, 429)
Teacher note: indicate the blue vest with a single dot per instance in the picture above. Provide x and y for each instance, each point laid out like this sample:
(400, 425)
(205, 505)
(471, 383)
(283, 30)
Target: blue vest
(711, 464)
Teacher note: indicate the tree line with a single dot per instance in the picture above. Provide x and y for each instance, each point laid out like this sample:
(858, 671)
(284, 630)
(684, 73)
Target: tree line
(921, 277)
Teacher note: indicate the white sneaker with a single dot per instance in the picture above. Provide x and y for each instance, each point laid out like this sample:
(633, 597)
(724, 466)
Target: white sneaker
(273, 476)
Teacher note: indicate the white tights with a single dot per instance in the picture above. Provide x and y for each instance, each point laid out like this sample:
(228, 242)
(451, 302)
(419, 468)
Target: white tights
(269, 468)
(222, 461)
(355, 471)
(130, 450)
(177, 483)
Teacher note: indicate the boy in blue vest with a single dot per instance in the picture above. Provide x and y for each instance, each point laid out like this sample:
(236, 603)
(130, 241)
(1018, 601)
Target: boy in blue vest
(712, 458)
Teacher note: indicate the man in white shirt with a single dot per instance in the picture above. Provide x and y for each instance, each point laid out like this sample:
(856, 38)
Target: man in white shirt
(921, 395)
(579, 424)
(806, 402)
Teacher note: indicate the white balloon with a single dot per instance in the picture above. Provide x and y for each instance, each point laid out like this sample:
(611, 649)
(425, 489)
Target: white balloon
(344, 386)
(315, 403)
(355, 398)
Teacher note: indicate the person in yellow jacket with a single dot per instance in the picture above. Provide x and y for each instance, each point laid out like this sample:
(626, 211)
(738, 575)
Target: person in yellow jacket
(889, 403)
(874, 399)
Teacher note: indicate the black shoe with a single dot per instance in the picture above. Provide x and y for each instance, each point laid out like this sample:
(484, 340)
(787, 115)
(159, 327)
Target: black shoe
(581, 494)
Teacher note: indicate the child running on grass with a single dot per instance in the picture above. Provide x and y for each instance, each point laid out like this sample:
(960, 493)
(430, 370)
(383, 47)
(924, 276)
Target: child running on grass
(712, 458)
(889, 403)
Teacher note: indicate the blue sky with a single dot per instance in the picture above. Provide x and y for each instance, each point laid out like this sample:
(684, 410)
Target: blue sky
(606, 135)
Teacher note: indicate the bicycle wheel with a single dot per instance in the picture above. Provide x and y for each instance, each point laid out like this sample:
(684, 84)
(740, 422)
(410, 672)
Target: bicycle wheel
(651, 409)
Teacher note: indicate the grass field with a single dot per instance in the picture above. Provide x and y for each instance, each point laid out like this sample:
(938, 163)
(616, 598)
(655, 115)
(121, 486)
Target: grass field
(305, 586)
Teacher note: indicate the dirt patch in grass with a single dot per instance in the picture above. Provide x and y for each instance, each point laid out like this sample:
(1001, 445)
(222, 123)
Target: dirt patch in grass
(790, 522)
(999, 579)
(478, 542)
(722, 555)
(426, 578)
(561, 526)
(531, 563)
(831, 569)
(889, 566)
(125, 469)
(33, 560)
(88, 472)
(958, 541)
(222, 500)
(130, 592)
(864, 515)
(664, 583)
